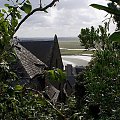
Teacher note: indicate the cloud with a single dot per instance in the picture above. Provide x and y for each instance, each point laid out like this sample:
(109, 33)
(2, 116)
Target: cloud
(71, 4)
(65, 19)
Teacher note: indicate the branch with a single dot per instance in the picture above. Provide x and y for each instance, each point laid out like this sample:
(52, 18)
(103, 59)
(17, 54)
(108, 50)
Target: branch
(22, 2)
(33, 11)
(40, 4)
(42, 96)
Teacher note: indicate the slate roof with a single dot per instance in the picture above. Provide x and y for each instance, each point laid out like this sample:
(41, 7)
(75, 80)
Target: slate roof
(32, 65)
(52, 92)
(43, 50)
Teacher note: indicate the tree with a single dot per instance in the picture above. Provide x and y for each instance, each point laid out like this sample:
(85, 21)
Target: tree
(95, 38)
(102, 76)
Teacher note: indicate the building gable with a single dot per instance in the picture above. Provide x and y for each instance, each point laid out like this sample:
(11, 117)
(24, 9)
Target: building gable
(26, 60)
(46, 51)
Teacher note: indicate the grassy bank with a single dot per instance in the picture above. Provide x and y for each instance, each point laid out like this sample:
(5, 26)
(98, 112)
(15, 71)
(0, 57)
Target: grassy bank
(72, 45)
(75, 52)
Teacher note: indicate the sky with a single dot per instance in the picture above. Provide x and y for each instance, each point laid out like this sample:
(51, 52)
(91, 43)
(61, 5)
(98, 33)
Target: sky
(65, 19)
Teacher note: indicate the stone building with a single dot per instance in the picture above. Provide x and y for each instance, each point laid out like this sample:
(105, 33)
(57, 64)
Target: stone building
(47, 51)
(28, 68)
(32, 59)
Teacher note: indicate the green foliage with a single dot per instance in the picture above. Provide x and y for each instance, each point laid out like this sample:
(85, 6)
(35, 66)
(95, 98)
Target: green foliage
(23, 103)
(107, 9)
(56, 75)
(94, 38)
(102, 77)
(101, 81)
(97, 95)
(19, 102)
(115, 37)
(87, 37)
(26, 7)
(9, 17)
(112, 8)
(8, 22)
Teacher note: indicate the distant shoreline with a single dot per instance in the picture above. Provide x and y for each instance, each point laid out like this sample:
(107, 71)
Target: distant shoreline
(76, 60)
(61, 39)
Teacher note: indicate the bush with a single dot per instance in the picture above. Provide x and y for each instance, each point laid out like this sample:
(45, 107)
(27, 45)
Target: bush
(102, 79)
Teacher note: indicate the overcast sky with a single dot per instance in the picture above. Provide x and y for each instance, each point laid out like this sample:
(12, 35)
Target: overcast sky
(65, 19)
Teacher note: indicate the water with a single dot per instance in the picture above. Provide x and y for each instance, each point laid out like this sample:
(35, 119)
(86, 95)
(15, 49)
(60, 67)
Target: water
(76, 60)
(61, 39)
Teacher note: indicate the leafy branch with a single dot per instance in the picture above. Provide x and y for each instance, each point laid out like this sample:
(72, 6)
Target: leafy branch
(41, 95)
(33, 11)
(107, 9)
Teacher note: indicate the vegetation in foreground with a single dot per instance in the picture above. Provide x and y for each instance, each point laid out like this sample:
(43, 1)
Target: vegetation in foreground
(101, 99)
(97, 89)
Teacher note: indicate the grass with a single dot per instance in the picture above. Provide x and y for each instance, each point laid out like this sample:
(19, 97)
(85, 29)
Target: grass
(72, 45)
(75, 52)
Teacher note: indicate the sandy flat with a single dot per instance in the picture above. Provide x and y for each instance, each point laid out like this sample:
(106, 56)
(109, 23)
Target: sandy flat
(76, 60)
(71, 49)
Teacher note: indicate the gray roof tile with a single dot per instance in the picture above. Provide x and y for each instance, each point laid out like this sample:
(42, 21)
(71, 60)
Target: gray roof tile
(31, 64)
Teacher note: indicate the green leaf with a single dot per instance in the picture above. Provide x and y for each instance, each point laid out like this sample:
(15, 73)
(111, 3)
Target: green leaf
(56, 75)
(107, 9)
(51, 75)
(117, 1)
(115, 37)
(1, 15)
(26, 8)
(18, 15)
(27, 1)
(18, 88)
(6, 5)
(14, 22)
(4, 11)
(61, 75)
(41, 102)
